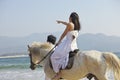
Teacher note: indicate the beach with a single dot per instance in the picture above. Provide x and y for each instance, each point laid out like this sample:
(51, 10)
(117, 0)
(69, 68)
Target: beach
(17, 68)
(28, 75)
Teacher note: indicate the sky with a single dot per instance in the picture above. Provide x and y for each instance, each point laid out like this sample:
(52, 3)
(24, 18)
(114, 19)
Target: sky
(24, 17)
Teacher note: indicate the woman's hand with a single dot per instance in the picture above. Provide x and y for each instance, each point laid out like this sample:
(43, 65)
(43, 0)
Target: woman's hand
(65, 23)
(58, 21)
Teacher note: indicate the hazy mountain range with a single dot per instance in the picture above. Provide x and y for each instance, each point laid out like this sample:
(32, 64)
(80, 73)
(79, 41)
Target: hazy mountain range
(18, 45)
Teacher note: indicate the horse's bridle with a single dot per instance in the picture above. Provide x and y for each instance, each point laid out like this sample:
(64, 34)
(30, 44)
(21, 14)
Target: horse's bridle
(50, 52)
(31, 59)
(33, 64)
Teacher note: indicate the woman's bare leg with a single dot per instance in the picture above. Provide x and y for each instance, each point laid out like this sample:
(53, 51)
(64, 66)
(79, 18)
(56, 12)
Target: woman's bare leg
(46, 78)
(57, 76)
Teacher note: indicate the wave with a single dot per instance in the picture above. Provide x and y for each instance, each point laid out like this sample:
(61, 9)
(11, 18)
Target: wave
(19, 66)
(14, 56)
(14, 67)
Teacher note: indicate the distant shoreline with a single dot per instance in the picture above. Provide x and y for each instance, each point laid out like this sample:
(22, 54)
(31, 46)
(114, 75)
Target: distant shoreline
(14, 56)
(24, 55)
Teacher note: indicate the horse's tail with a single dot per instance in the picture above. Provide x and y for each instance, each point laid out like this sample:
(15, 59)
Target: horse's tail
(113, 63)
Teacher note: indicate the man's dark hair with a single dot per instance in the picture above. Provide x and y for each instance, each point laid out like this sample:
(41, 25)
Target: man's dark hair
(51, 39)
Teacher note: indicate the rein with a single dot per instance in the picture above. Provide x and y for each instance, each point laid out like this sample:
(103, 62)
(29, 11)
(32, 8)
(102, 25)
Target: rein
(47, 55)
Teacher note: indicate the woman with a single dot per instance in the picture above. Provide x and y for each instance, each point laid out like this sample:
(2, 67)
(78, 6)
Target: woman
(59, 58)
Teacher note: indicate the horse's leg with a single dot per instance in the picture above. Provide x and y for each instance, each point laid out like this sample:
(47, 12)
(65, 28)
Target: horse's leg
(100, 77)
(90, 76)
(95, 78)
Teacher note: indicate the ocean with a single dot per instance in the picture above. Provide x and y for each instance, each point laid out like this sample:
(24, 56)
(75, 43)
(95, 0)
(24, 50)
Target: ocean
(17, 68)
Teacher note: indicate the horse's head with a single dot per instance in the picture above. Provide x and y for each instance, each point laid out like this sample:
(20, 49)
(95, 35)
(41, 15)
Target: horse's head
(37, 52)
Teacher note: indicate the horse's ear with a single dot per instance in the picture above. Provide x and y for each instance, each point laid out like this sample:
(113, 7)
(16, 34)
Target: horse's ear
(28, 47)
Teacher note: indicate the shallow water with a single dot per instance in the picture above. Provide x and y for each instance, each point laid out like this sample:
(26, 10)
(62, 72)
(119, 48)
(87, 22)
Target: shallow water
(21, 75)
(28, 75)
(18, 69)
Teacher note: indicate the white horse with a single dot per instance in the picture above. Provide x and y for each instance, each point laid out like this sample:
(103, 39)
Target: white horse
(85, 62)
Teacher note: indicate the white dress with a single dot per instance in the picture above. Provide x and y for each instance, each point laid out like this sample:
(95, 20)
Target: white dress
(59, 58)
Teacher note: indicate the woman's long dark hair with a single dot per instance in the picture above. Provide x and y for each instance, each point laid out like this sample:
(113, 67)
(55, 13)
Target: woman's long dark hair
(75, 19)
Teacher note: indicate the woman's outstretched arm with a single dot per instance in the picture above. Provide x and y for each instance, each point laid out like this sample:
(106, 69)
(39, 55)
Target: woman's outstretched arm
(65, 23)
(68, 28)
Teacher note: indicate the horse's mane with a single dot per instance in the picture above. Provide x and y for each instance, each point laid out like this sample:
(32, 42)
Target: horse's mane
(36, 44)
(44, 45)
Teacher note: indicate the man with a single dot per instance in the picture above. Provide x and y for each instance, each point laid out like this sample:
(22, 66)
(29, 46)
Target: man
(51, 39)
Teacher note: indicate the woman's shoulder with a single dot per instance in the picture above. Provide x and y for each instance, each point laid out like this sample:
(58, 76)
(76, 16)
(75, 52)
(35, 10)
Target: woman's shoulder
(71, 25)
